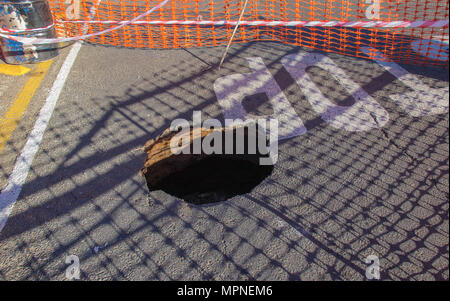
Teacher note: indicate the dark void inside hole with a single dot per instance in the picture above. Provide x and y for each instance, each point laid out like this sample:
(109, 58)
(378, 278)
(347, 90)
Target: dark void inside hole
(215, 178)
(234, 166)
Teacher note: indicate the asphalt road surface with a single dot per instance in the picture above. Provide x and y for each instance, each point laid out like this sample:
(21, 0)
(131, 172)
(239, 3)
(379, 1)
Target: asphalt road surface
(336, 195)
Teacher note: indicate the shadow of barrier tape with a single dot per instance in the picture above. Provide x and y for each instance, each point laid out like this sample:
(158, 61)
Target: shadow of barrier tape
(338, 26)
(27, 18)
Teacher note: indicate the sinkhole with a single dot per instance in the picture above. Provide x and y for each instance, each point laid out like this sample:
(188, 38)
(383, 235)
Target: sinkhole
(202, 178)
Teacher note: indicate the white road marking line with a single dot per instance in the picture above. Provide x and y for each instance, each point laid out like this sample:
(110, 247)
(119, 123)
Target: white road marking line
(9, 195)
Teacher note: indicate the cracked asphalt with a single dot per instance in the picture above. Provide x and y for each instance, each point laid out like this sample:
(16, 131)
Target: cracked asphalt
(334, 197)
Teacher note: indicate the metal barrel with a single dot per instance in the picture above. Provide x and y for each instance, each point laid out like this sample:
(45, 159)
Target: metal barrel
(28, 18)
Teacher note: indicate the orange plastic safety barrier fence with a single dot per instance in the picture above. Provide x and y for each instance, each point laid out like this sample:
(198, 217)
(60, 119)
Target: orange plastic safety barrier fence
(410, 45)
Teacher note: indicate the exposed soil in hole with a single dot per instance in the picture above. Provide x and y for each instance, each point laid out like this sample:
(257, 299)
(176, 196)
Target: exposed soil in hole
(202, 179)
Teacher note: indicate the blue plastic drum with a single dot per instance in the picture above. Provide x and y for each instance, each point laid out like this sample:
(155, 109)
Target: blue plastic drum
(20, 15)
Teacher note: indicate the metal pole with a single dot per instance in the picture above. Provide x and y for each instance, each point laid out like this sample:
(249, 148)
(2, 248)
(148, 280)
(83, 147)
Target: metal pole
(232, 36)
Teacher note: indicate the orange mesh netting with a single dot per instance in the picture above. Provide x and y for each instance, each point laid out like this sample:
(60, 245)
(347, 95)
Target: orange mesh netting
(414, 45)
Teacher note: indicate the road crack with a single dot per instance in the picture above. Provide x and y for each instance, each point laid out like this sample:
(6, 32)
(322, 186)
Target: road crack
(390, 141)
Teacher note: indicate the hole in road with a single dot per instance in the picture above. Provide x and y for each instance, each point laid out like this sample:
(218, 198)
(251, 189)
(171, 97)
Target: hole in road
(204, 179)
(215, 179)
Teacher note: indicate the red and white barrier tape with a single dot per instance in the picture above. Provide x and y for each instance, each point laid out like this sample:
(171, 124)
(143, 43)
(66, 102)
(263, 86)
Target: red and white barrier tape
(386, 24)
(36, 41)
(135, 21)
